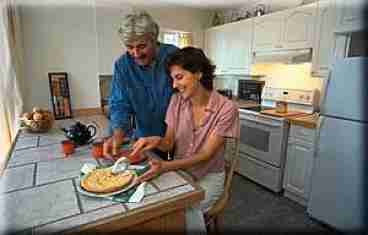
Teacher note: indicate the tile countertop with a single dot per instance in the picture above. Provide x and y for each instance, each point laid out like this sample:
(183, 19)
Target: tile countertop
(39, 191)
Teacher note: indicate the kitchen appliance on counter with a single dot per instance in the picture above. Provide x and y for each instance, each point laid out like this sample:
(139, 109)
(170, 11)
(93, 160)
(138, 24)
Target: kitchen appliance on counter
(264, 134)
(226, 92)
(250, 90)
(337, 185)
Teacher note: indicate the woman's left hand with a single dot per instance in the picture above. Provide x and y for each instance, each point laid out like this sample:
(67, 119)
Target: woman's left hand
(156, 167)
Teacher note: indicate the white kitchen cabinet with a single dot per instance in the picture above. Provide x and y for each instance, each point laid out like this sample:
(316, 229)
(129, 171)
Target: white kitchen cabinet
(324, 41)
(289, 29)
(299, 163)
(229, 47)
(214, 46)
(350, 15)
(268, 32)
(298, 29)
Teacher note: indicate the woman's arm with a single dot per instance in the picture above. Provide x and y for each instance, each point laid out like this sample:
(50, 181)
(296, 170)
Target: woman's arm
(208, 151)
(165, 143)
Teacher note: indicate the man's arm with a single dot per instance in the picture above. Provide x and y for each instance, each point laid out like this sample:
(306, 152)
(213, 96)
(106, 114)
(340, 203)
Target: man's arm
(120, 108)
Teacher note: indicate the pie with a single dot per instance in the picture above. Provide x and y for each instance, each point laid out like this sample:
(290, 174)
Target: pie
(104, 181)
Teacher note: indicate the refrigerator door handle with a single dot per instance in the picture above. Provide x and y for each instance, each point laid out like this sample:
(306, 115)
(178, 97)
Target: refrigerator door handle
(318, 132)
(324, 94)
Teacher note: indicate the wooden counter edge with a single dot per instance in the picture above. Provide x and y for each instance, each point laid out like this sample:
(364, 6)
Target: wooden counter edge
(311, 123)
(141, 215)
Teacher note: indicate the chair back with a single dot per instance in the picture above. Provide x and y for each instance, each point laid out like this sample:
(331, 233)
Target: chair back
(231, 146)
(231, 160)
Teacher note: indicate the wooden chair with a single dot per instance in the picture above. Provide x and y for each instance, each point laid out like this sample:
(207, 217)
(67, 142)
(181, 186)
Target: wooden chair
(212, 216)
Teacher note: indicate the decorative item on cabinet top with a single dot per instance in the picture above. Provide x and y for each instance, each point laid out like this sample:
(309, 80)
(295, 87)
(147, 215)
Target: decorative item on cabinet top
(217, 19)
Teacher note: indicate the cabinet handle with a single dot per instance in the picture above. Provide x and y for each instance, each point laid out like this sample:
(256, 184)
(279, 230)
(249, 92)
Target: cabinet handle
(278, 46)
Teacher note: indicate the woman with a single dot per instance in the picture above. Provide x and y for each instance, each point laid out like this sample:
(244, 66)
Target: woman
(198, 118)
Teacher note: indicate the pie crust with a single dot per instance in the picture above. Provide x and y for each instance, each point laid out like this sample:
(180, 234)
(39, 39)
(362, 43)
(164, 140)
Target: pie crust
(104, 181)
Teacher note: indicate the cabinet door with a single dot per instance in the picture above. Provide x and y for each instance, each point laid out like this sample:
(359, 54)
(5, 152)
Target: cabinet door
(215, 46)
(299, 27)
(350, 15)
(298, 167)
(324, 38)
(267, 32)
(237, 43)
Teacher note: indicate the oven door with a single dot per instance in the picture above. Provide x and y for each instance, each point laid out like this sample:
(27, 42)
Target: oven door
(264, 140)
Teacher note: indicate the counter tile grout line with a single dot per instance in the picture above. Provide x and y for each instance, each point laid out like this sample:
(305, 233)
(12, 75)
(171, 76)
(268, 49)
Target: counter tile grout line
(35, 174)
(38, 141)
(79, 202)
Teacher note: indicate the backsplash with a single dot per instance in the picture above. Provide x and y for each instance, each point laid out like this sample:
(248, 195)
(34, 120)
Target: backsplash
(291, 76)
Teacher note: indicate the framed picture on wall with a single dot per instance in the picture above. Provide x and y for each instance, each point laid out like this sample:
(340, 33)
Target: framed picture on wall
(60, 96)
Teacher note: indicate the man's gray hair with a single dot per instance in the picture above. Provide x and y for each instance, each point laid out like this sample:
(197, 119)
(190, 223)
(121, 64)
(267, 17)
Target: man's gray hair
(137, 24)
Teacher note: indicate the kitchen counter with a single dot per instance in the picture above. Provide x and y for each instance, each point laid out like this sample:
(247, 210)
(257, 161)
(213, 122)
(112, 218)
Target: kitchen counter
(40, 196)
(244, 103)
(308, 121)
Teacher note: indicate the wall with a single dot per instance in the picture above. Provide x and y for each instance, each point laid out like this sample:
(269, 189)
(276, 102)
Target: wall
(81, 40)
(60, 38)
(295, 76)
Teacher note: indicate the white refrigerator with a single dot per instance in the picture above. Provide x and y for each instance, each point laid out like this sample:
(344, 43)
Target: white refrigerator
(337, 185)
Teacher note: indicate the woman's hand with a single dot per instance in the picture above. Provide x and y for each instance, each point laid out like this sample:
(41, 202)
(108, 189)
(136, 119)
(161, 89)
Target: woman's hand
(156, 167)
(145, 143)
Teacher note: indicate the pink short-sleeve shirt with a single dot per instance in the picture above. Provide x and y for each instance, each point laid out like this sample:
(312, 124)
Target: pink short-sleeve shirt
(221, 118)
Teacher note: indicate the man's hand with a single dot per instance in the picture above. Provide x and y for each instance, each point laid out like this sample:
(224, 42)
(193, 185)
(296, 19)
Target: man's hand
(110, 148)
(156, 167)
(145, 143)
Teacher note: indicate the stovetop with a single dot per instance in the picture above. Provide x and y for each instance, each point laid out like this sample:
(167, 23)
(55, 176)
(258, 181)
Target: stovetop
(256, 108)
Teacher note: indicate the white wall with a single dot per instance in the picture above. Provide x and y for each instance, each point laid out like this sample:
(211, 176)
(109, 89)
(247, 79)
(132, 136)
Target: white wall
(60, 38)
(82, 40)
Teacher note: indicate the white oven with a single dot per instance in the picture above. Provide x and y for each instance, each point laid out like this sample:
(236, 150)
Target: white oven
(262, 149)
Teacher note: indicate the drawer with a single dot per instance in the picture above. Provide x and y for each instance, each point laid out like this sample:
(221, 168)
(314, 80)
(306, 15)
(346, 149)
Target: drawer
(260, 172)
(302, 133)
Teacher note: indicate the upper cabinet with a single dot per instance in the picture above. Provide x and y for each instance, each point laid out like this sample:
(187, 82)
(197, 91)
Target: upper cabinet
(350, 15)
(289, 29)
(298, 25)
(229, 47)
(324, 38)
(268, 32)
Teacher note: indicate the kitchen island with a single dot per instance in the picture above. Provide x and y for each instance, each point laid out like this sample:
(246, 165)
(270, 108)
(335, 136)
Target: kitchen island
(39, 194)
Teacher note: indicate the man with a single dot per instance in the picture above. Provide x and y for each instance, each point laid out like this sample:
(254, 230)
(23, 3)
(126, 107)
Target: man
(140, 84)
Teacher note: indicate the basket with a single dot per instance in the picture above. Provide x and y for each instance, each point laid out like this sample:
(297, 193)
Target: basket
(38, 126)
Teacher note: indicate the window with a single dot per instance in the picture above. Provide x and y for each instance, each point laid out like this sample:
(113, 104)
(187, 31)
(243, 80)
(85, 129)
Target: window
(179, 39)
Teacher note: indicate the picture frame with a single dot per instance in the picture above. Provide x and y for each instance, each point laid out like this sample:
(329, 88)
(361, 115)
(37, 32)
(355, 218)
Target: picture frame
(60, 95)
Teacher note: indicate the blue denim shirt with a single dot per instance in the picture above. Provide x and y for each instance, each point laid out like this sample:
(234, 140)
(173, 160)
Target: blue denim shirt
(142, 91)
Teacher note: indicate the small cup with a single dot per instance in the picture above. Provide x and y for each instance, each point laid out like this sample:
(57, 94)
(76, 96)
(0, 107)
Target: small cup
(97, 149)
(67, 147)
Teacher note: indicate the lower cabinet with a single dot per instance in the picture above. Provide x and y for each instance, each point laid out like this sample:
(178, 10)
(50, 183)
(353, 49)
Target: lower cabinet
(299, 163)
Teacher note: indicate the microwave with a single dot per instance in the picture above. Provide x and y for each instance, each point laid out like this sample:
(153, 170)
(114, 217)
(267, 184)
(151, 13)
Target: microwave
(250, 90)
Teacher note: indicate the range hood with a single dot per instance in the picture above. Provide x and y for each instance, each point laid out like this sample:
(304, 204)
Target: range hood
(283, 56)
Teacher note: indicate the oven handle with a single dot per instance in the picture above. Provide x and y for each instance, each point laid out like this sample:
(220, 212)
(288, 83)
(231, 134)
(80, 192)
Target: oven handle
(262, 122)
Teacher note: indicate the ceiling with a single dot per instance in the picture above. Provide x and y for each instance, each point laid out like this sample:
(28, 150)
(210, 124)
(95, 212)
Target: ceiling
(273, 5)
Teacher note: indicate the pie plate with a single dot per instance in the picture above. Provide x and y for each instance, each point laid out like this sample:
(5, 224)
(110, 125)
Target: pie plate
(132, 183)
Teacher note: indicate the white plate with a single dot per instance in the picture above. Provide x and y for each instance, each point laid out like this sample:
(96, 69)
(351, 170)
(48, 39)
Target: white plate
(132, 183)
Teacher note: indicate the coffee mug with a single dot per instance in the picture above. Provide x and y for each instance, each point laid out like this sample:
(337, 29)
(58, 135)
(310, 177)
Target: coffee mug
(97, 149)
(67, 147)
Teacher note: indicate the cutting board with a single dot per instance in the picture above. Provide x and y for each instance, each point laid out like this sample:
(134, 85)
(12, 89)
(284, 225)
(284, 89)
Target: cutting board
(287, 114)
